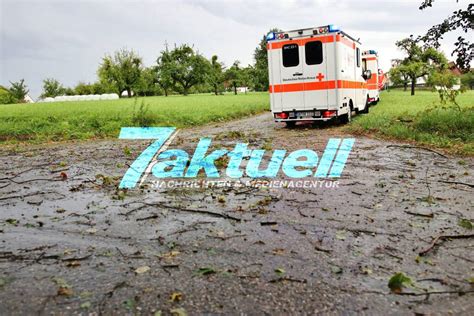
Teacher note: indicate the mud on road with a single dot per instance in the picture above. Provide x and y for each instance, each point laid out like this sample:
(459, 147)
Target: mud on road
(71, 242)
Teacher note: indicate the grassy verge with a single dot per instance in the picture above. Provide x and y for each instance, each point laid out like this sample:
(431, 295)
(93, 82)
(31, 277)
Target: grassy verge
(421, 119)
(57, 121)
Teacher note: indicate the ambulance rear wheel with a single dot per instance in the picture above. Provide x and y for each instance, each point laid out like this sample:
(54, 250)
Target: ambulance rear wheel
(367, 105)
(346, 118)
(290, 124)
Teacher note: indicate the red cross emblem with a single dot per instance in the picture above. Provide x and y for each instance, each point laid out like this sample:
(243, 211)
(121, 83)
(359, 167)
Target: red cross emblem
(320, 77)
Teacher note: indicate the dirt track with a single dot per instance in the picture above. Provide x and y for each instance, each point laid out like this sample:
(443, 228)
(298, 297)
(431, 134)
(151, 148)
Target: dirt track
(71, 243)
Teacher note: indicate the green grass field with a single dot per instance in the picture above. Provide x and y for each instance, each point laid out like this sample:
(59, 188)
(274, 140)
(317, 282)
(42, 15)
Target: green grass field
(56, 121)
(398, 115)
(420, 118)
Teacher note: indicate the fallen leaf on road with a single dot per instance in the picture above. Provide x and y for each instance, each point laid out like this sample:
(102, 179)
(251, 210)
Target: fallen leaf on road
(176, 296)
(205, 271)
(141, 270)
(280, 271)
(398, 281)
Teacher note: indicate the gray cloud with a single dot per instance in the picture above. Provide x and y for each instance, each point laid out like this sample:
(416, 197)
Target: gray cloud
(66, 39)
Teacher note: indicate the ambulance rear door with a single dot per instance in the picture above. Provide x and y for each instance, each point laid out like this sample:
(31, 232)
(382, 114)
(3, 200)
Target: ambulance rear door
(291, 74)
(315, 76)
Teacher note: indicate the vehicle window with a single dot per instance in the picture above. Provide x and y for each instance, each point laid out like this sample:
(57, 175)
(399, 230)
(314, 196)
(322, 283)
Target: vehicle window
(291, 56)
(358, 57)
(364, 64)
(314, 53)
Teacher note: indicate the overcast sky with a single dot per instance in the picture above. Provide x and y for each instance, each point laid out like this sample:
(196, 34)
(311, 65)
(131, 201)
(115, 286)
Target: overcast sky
(66, 39)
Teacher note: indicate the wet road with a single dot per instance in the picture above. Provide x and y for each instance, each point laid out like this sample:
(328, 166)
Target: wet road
(71, 242)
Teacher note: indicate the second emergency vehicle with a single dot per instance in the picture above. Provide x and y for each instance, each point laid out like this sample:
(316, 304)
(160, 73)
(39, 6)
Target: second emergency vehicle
(370, 61)
(316, 74)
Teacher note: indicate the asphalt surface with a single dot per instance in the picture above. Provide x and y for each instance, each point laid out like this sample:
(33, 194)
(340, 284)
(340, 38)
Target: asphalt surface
(73, 243)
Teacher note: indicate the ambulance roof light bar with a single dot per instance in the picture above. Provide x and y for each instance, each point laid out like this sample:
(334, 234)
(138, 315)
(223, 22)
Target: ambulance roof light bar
(270, 36)
(333, 28)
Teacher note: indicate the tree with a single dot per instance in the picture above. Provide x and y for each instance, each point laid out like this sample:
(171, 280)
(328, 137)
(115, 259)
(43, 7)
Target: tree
(398, 75)
(460, 19)
(443, 82)
(216, 75)
(19, 90)
(52, 88)
(6, 97)
(147, 85)
(420, 61)
(183, 67)
(246, 76)
(83, 88)
(163, 71)
(260, 73)
(232, 76)
(467, 80)
(122, 70)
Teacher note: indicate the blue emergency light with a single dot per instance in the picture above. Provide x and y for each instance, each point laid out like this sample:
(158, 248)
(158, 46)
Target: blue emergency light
(270, 36)
(333, 28)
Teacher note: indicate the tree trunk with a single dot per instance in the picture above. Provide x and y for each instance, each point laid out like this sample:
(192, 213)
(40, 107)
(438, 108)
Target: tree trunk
(166, 92)
(405, 86)
(215, 90)
(413, 83)
(235, 89)
(129, 92)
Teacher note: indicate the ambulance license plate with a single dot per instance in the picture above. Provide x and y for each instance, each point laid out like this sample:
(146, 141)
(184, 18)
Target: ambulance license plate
(308, 114)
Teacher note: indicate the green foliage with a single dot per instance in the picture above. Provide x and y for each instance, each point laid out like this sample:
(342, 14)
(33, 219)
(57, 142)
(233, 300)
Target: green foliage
(419, 62)
(148, 85)
(399, 281)
(6, 97)
(420, 118)
(95, 119)
(142, 116)
(232, 76)
(89, 88)
(466, 223)
(443, 82)
(121, 71)
(399, 75)
(19, 90)
(52, 88)
(163, 71)
(183, 68)
(260, 71)
(459, 19)
(216, 75)
(467, 80)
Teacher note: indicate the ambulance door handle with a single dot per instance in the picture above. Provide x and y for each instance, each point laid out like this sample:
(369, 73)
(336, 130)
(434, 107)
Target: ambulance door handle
(297, 74)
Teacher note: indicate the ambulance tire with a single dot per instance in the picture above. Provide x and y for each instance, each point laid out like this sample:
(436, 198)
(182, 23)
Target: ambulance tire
(367, 106)
(290, 124)
(346, 118)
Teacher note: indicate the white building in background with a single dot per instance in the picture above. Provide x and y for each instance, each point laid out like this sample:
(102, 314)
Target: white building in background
(243, 89)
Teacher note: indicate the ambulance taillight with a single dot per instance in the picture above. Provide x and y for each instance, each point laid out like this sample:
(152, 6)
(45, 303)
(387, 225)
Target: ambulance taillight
(282, 115)
(328, 114)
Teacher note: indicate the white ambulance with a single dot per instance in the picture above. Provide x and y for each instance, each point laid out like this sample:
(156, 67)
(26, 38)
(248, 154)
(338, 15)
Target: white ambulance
(370, 62)
(316, 74)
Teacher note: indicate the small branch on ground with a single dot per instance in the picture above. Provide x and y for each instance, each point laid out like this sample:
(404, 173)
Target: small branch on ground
(418, 147)
(442, 238)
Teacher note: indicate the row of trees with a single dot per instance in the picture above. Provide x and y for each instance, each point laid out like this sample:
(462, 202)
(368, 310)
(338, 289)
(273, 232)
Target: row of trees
(180, 70)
